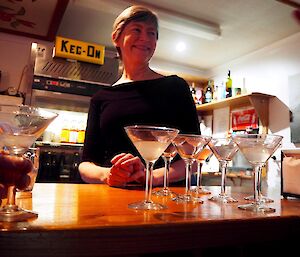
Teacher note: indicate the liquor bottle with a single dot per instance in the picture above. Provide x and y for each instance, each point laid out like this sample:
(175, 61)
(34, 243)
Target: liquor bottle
(65, 133)
(193, 92)
(216, 92)
(228, 86)
(73, 132)
(200, 96)
(193, 89)
(81, 132)
(208, 92)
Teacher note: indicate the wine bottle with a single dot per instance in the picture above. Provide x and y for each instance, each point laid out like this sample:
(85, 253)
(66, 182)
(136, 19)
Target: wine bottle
(193, 89)
(193, 92)
(228, 86)
(208, 92)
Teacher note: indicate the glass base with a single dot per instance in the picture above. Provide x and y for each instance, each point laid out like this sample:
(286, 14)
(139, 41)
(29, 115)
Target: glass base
(263, 199)
(254, 207)
(144, 205)
(187, 199)
(165, 192)
(14, 213)
(223, 199)
(200, 190)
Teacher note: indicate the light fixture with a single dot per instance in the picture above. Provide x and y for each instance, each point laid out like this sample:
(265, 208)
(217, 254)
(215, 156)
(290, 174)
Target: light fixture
(293, 3)
(188, 25)
(182, 23)
(180, 47)
(193, 26)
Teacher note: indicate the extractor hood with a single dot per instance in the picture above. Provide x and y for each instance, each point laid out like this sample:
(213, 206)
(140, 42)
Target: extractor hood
(55, 67)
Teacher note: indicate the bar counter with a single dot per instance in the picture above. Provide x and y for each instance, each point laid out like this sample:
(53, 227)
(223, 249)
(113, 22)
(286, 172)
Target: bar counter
(94, 220)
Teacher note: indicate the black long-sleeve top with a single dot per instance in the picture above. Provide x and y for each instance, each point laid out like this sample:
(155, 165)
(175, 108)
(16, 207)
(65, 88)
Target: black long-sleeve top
(165, 101)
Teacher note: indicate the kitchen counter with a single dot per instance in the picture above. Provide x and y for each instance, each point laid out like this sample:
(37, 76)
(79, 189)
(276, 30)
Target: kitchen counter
(94, 220)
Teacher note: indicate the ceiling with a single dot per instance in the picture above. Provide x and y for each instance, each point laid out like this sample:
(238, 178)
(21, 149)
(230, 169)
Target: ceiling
(245, 26)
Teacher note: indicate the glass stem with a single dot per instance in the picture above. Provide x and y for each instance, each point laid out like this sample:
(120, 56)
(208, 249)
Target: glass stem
(259, 184)
(149, 177)
(199, 174)
(223, 169)
(188, 176)
(257, 180)
(167, 171)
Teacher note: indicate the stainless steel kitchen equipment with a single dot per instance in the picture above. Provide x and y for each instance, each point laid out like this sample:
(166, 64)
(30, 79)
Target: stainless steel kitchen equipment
(65, 85)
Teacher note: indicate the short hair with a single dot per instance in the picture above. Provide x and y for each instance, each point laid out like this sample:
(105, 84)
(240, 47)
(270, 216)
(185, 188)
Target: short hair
(133, 13)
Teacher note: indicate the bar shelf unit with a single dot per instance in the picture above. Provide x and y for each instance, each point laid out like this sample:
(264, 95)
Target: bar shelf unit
(259, 101)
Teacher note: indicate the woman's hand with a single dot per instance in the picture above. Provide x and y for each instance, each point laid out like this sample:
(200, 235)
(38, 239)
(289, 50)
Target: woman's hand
(125, 168)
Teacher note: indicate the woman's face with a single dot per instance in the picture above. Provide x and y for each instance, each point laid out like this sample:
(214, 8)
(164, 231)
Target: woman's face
(137, 42)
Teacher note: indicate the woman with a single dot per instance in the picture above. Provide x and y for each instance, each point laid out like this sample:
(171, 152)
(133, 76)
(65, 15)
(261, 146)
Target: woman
(140, 96)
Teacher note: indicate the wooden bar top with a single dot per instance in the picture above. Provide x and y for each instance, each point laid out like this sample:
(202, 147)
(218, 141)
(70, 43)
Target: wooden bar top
(94, 220)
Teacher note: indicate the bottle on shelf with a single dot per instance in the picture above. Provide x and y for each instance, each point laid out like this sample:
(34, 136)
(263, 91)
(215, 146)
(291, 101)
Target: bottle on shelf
(73, 132)
(216, 92)
(199, 95)
(243, 89)
(228, 86)
(81, 131)
(65, 133)
(208, 92)
(221, 91)
(193, 92)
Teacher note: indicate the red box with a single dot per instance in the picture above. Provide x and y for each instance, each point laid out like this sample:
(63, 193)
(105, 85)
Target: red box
(244, 119)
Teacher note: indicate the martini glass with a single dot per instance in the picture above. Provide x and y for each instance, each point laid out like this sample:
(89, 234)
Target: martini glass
(200, 159)
(224, 149)
(188, 146)
(168, 156)
(257, 149)
(150, 142)
(20, 126)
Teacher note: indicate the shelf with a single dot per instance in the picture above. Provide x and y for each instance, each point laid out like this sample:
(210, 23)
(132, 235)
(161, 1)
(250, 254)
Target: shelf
(258, 100)
(55, 144)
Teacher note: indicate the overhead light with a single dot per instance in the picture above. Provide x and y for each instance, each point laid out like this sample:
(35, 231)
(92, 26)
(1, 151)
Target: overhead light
(184, 24)
(293, 3)
(180, 47)
(189, 26)
(193, 26)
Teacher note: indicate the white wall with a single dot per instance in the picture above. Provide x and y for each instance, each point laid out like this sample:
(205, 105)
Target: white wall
(15, 59)
(14, 55)
(268, 71)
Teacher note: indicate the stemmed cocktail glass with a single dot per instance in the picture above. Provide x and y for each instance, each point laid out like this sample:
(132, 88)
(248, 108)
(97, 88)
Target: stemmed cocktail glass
(168, 156)
(20, 126)
(257, 149)
(188, 146)
(200, 159)
(150, 142)
(224, 149)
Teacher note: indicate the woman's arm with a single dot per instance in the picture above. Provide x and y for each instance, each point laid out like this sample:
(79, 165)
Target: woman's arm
(92, 173)
(125, 168)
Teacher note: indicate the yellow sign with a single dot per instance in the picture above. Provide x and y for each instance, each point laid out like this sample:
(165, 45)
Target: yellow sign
(79, 50)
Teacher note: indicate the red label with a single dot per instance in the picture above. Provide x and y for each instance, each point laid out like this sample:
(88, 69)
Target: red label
(241, 120)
